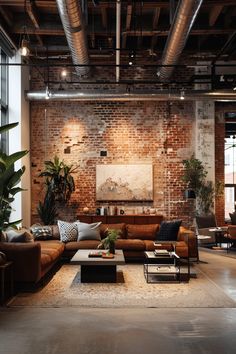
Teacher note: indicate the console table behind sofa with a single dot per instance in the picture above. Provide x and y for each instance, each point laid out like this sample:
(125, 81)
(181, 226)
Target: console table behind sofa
(117, 219)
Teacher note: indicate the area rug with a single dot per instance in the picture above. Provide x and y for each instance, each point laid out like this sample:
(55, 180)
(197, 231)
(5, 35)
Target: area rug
(65, 290)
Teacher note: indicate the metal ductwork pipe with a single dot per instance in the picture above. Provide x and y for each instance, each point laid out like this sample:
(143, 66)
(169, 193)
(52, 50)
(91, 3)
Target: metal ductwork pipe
(163, 95)
(72, 21)
(183, 21)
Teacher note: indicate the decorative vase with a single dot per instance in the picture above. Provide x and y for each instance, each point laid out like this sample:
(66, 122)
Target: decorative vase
(112, 247)
(3, 258)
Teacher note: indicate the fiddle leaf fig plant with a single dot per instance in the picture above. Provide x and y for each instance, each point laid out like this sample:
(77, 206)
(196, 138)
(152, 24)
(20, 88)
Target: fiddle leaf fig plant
(195, 178)
(9, 179)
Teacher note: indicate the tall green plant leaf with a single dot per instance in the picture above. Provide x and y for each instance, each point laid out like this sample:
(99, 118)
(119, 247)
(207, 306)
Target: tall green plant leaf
(11, 159)
(7, 127)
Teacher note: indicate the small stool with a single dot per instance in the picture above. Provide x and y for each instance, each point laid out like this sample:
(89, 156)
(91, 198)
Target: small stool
(6, 282)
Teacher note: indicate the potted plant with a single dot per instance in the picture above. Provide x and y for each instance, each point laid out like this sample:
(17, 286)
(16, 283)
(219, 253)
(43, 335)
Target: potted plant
(9, 179)
(108, 242)
(59, 186)
(203, 190)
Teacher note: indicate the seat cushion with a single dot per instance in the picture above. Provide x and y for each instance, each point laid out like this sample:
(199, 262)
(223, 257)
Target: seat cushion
(142, 232)
(133, 245)
(86, 244)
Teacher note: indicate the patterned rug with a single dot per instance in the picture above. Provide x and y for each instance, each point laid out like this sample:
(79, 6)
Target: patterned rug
(65, 290)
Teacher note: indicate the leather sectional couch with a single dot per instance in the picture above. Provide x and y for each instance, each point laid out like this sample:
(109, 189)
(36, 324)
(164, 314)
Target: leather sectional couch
(33, 260)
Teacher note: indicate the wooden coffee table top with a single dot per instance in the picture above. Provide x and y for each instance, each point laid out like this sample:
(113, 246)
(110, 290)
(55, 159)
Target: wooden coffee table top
(81, 257)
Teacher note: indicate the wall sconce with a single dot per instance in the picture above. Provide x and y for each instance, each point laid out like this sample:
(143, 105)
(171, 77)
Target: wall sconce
(64, 73)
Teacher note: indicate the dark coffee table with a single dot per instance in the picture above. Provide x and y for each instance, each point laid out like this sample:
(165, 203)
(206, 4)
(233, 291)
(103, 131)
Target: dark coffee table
(97, 269)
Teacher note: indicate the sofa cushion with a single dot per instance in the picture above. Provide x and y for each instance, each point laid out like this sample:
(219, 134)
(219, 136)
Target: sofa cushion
(142, 232)
(41, 232)
(88, 231)
(121, 227)
(132, 245)
(68, 231)
(168, 230)
(23, 235)
(87, 244)
(55, 232)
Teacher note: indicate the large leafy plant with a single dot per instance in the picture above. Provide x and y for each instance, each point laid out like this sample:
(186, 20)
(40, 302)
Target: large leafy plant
(9, 179)
(59, 185)
(195, 178)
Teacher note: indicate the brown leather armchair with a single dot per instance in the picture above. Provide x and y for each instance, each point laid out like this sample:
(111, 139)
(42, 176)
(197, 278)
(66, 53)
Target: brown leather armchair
(231, 236)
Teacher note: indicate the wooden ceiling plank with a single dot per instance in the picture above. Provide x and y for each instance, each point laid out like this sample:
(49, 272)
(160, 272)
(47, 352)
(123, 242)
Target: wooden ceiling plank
(32, 12)
(214, 14)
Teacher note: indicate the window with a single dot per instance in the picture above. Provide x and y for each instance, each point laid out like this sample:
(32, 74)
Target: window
(3, 99)
(230, 163)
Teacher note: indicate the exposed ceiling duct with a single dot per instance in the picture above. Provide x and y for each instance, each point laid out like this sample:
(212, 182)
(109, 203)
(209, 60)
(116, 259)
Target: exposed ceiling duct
(183, 21)
(75, 95)
(72, 21)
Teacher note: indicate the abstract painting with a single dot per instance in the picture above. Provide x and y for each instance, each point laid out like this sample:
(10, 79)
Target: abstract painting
(124, 182)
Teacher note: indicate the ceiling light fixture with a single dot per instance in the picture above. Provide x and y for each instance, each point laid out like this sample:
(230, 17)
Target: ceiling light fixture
(182, 95)
(24, 41)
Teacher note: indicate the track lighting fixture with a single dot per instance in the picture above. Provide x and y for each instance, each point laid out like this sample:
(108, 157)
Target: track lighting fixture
(48, 93)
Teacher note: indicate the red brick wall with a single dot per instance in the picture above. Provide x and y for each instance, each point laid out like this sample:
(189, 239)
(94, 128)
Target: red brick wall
(131, 132)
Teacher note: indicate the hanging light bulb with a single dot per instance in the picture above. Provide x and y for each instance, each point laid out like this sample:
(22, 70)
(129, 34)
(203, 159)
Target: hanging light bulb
(63, 73)
(24, 48)
(182, 95)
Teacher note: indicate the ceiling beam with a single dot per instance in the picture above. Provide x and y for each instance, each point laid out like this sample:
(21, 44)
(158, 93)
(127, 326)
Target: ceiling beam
(214, 14)
(127, 25)
(104, 17)
(155, 21)
(32, 12)
(146, 5)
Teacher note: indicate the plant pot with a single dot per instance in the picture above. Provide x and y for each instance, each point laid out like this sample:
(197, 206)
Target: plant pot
(112, 247)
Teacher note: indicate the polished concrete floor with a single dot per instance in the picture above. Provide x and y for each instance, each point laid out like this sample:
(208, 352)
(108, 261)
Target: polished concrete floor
(85, 331)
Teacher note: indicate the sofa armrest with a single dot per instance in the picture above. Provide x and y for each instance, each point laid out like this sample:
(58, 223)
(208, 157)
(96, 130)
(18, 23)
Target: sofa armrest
(26, 258)
(190, 238)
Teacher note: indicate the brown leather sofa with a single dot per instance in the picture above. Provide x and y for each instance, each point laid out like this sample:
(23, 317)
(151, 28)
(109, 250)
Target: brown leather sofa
(33, 260)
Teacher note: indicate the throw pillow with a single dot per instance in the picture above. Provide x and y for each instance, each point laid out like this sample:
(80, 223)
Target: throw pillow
(88, 231)
(22, 235)
(233, 218)
(68, 231)
(169, 230)
(41, 232)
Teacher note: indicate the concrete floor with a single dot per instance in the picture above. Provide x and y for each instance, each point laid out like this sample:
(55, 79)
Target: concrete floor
(107, 331)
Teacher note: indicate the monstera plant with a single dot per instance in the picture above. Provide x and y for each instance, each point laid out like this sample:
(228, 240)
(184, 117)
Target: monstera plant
(9, 180)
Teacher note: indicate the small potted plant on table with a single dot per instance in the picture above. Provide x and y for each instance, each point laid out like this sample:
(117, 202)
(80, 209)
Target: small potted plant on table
(108, 242)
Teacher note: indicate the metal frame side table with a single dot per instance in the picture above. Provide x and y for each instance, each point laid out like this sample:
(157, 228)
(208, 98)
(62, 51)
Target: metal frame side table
(6, 282)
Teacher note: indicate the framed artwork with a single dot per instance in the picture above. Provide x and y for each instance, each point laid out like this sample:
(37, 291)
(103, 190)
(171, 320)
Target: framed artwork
(124, 182)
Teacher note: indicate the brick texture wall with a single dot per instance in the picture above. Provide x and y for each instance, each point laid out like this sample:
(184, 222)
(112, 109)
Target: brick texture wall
(131, 132)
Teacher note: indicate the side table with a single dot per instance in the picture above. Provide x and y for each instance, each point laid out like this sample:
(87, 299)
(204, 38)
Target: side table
(6, 282)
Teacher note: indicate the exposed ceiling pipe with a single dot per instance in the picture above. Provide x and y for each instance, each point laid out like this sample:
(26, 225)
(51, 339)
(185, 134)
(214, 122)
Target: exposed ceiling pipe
(118, 19)
(72, 21)
(163, 95)
(183, 21)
